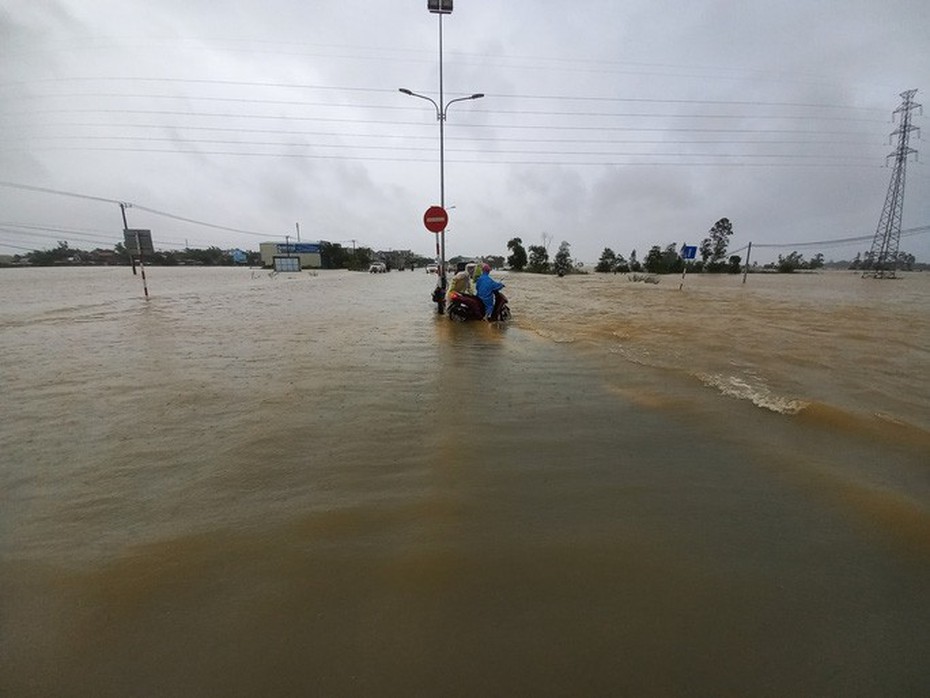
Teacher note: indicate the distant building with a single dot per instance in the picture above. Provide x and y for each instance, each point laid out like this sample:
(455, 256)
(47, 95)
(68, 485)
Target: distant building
(307, 252)
(396, 259)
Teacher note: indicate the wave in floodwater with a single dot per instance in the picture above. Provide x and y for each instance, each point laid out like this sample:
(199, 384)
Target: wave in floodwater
(753, 390)
(779, 342)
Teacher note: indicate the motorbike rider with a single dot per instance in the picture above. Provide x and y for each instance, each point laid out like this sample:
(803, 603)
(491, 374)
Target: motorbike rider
(486, 286)
(462, 281)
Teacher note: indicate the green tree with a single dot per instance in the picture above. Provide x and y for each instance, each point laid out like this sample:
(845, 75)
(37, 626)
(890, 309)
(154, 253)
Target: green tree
(816, 261)
(673, 262)
(517, 259)
(906, 261)
(706, 250)
(211, 257)
(654, 263)
(332, 255)
(635, 265)
(57, 255)
(607, 262)
(360, 259)
(714, 246)
(562, 264)
(666, 261)
(538, 260)
(792, 262)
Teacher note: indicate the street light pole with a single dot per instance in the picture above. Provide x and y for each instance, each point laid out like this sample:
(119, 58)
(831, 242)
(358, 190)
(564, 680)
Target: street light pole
(441, 112)
(441, 7)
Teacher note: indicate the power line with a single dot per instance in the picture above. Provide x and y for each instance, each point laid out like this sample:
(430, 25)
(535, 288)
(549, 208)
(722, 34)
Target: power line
(920, 230)
(383, 53)
(383, 90)
(204, 223)
(17, 247)
(344, 146)
(343, 120)
(400, 107)
(74, 236)
(24, 229)
(46, 190)
(485, 162)
(431, 138)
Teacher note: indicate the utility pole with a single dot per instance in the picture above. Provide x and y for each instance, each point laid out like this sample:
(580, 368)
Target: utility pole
(746, 268)
(132, 259)
(440, 8)
(882, 260)
(138, 249)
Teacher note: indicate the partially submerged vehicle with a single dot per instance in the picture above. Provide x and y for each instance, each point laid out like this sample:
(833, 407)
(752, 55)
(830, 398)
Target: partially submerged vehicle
(464, 306)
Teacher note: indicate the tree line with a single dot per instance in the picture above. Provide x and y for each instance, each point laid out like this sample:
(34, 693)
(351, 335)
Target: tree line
(712, 252)
(332, 256)
(65, 255)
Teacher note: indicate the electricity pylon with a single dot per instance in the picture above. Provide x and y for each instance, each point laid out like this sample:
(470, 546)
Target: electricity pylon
(882, 260)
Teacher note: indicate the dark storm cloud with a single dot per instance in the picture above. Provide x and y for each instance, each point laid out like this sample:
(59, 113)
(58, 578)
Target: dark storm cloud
(613, 124)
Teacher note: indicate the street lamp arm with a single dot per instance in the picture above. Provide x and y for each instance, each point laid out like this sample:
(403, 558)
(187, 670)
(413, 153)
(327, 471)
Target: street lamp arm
(477, 95)
(432, 101)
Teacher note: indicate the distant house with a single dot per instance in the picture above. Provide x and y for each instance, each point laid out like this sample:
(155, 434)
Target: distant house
(396, 259)
(307, 252)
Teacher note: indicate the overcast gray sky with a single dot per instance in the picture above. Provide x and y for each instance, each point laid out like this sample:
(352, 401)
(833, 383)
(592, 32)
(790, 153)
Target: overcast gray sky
(605, 123)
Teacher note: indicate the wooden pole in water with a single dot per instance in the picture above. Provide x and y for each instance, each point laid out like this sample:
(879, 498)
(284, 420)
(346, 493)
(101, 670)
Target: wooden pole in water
(746, 268)
(145, 286)
(684, 267)
(132, 260)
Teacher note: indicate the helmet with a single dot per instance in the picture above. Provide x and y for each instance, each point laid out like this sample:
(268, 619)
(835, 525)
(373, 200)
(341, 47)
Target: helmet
(486, 267)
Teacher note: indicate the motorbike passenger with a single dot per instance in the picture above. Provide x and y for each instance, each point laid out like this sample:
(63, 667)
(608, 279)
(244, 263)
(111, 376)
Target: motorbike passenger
(486, 286)
(462, 282)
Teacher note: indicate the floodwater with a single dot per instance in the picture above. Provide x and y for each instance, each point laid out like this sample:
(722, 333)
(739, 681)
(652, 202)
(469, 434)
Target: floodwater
(290, 485)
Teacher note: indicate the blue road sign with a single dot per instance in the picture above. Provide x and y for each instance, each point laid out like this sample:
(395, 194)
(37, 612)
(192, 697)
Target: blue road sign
(688, 251)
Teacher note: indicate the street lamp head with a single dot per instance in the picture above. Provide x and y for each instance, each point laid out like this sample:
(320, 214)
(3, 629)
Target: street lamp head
(406, 91)
(477, 95)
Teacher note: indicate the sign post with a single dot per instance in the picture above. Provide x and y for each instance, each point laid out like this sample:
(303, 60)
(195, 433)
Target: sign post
(688, 252)
(137, 242)
(435, 219)
(440, 8)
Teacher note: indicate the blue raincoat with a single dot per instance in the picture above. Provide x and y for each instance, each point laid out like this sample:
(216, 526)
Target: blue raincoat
(485, 287)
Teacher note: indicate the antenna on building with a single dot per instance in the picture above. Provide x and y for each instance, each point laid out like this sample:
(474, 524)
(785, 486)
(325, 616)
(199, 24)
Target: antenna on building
(882, 259)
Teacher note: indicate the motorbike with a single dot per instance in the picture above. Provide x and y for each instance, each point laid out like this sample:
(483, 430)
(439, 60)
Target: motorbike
(464, 307)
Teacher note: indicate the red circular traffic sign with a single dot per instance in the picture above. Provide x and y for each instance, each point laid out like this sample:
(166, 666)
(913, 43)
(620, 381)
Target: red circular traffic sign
(435, 219)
